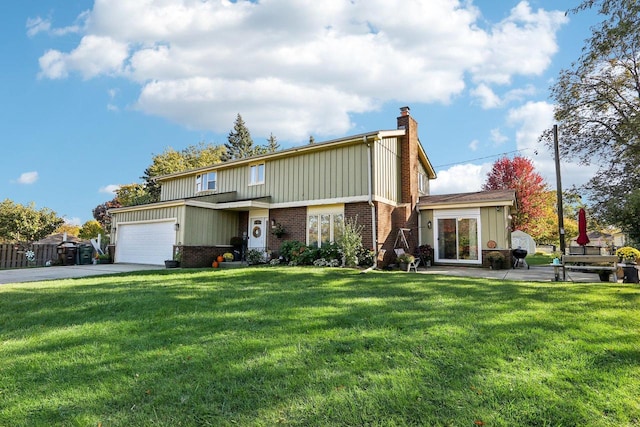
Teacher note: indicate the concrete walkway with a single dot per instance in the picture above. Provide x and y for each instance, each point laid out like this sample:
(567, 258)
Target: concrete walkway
(533, 274)
(19, 275)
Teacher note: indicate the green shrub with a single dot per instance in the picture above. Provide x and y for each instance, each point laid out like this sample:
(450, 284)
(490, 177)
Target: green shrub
(330, 251)
(351, 241)
(255, 256)
(288, 247)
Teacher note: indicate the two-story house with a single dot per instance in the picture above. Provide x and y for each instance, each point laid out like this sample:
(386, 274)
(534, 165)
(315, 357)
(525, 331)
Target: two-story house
(307, 192)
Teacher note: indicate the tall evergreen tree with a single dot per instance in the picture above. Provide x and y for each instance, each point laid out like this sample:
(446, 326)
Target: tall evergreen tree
(239, 145)
(272, 144)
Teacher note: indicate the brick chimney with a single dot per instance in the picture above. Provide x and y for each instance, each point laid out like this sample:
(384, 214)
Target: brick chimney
(409, 158)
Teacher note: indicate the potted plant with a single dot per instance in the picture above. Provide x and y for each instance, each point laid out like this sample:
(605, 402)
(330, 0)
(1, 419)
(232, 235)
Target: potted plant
(604, 275)
(404, 260)
(628, 255)
(175, 262)
(496, 260)
(425, 255)
(278, 230)
(104, 259)
(228, 256)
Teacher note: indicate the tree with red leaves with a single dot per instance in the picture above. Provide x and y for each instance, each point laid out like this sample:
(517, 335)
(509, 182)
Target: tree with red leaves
(519, 174)
(101, 213)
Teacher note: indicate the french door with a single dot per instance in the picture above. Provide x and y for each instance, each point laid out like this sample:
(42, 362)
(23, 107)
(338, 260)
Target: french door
(457, 238)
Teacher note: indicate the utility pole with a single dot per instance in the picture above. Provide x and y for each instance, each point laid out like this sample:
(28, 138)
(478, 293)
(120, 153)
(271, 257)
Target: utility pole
(559, 190)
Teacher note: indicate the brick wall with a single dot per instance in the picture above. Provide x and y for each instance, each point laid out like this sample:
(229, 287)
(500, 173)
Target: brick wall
(409, 158)
(201, 256)
(361, 211)
(294, 221)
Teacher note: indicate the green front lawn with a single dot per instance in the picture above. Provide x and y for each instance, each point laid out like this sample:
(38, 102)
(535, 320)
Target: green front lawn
(316, 347)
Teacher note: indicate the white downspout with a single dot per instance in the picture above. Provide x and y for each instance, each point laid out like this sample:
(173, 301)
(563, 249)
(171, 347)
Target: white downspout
(374, 234)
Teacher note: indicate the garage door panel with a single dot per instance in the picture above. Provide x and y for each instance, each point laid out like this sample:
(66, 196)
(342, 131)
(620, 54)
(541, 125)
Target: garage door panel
(145, 243)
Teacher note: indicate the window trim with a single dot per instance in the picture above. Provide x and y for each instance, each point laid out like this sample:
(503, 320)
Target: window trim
(203, 181)
(254, 178)
(423, 184)
(332, 211)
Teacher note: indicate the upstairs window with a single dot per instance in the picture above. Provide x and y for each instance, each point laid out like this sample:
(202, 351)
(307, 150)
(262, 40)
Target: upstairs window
(256, 174)
(206, 181)
(423, 183)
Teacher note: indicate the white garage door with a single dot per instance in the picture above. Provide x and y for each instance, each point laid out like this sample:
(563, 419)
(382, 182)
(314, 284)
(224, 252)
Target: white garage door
(147, 243)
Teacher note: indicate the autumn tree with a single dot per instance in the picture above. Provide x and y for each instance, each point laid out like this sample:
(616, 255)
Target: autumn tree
(70, 229)
(598, 108)
(519, 174)
(25, 223)
(101, 213)
(133, 195)
(91, 229)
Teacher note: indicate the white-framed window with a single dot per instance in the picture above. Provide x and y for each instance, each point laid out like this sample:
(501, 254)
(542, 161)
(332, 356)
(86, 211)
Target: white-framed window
(423, 183)
(256, 174)
(207, 181)
(324, 225)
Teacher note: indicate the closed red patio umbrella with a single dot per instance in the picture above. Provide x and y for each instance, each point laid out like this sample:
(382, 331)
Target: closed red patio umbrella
(582, 239)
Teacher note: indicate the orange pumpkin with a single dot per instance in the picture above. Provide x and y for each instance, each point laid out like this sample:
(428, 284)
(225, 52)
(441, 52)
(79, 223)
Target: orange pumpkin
(220, 258)
(215, 264)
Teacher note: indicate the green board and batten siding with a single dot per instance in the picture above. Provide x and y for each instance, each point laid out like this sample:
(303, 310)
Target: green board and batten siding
(493, 228)
(209, 226)
(146, 215)
(332, 173)
(386, 169)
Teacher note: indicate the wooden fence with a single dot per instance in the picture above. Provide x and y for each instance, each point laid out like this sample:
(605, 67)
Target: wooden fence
(15, 256)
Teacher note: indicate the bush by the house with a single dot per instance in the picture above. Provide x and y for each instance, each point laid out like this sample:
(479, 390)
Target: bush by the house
(255, 256)
(366, 257)
(351, 241)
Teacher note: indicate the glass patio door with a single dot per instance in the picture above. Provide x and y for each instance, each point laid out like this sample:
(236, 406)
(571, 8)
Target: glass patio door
(458, 240)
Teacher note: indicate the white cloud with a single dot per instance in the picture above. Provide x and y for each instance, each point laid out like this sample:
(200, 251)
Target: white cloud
(73, 221)
(28, 178)
(488, 98)
(460, 179)
(94, 56)
(497, 137)
(109, 189)
(473, 145)
(522, 44)
(530, 121)
(37, 25)
(199, 63)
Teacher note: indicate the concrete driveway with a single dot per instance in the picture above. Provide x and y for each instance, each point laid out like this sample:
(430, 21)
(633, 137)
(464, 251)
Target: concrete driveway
(19, 275)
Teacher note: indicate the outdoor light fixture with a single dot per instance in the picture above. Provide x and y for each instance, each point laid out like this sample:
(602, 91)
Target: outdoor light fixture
(498, 208)
(176, 226)
(273, 223)
(429, 225)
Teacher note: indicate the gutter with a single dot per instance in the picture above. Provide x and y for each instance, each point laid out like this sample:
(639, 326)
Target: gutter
(374, 234)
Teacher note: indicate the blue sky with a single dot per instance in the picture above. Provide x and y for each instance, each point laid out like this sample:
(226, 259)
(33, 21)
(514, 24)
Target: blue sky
(92, 89)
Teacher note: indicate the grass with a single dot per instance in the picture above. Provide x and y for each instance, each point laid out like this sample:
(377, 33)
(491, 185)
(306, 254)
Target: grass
(317, 347)
(539, 259)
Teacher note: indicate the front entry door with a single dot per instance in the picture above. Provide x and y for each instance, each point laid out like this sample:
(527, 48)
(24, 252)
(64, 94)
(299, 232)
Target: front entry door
(257, 236)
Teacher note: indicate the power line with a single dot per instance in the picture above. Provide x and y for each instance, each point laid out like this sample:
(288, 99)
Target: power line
(484, 158)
